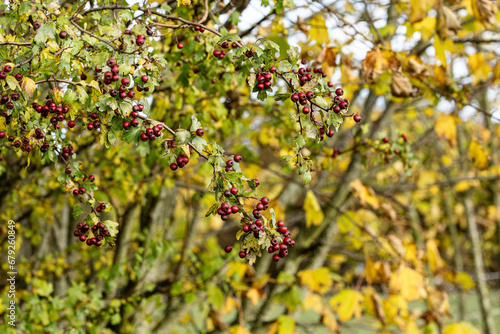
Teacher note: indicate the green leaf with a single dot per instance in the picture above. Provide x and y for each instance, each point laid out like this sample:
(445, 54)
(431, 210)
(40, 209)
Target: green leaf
(270, 44)
(47, 30)
(215, 296)
(293, 54)
(300, 141)
(112, 227)
(12, 82)
(306, 178)
(199, 143)
(232, 176)
(195, 124)
(321, 102)
(42, 287)
(112, 137)
(282, 96)
(230, 37)
(182, 137)
(77, 211)
(212, 210)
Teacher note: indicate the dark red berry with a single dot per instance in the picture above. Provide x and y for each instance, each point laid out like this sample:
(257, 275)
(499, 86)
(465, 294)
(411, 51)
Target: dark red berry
(237, 158)
(200, 132)
(228, 249)
(242, 254)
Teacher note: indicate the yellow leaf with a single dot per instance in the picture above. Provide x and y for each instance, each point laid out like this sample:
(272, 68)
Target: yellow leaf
(419, 9)
(314, 214)
(465, 281)
(408, 283)
(29, 86)
(313, 302)
(328, 319)
(318, 30)
(479, 68)
(287, 325)
(183, 2)
(347, 303)
(460, 328)
(438, 46)
(229, 305)
(433, 258)
(273, 329)
(254, 295)
(438, 301)
(445, 127)
(478, 155)
(366, 194)
(426, 27)
(316, 280)
(237, 329)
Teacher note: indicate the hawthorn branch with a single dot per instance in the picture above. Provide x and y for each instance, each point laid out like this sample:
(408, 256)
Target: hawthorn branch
(16, 43)
(95, 36)
(25, 61)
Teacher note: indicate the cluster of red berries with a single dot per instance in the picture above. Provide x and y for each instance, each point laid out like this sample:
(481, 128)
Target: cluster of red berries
(336, 152)
(101, 207)
(182, 160)
(281, 248)
(263, 80)
(67, 151)
(7, 69)
(230, 163)
(95, 124)
(51, 107)
(222, 53)
(151, 133)
(99, 230)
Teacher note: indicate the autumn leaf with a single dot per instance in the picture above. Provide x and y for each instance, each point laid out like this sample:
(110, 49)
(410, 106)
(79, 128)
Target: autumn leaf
(460, 328)
(438, 301)
(419, 9)
(433, 258)
(465, 281)
(328, 319)
(400, 85)
(408, 282)
(313, 302)
(237, 329)
(29, 86)
(479, 68)
(347, 303)
(376, 62)
(318, 31)
(316, 280)
(478, 155)
(445, 127)
(314, 214)
(286, 325)
(366, 194)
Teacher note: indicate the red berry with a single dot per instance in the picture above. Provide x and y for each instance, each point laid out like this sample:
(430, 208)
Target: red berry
(235, 209)
(272, 69)
(305, 110)
(234, 190)
(404, 138)
(200, 132)
(246, 228)
(339, 92)
(144, 78)
(68, 171)
(330, 84)
(385, 140)
(242, 254)
(264, 200)
(294, 97)
(180, 45)
(173, 166)
(357, 118)
(228, 249)
(276, 257)
(237, 158)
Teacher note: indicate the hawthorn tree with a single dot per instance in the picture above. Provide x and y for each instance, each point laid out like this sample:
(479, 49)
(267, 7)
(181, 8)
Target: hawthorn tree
(141, 143)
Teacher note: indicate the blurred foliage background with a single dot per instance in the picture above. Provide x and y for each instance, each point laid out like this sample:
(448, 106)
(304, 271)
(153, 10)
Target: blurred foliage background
(385, 242)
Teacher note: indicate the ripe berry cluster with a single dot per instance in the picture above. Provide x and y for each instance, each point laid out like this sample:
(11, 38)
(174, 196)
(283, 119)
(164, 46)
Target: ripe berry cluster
(281, 247)
(99, 231)
(182, 160)
(224, 46)
(263, 80)
(51, 108)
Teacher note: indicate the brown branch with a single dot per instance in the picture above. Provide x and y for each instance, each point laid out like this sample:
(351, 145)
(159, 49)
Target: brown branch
(16, 43)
